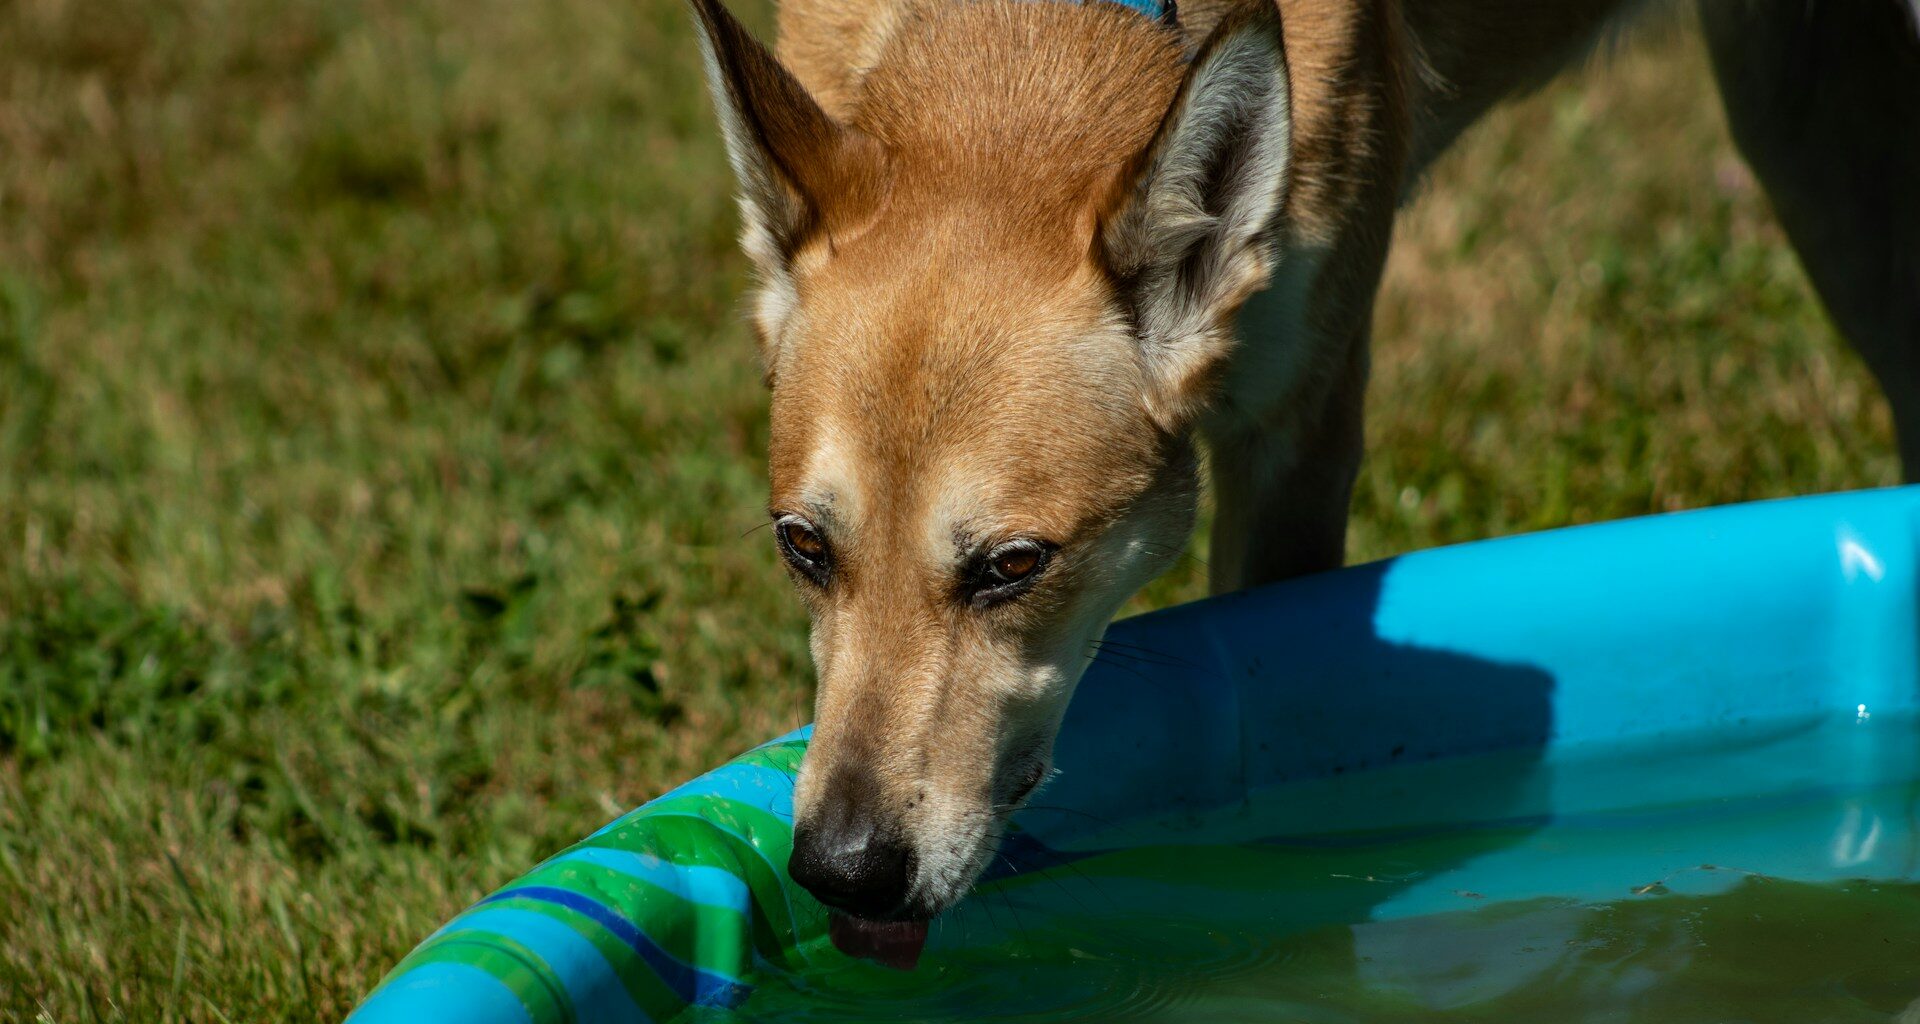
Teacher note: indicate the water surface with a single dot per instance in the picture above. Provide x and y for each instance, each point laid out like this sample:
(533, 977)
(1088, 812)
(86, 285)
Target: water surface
(1642, 898)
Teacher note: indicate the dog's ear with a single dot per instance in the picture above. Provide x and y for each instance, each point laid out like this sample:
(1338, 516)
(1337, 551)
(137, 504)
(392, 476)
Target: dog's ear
(1190, 236)
(801, 173)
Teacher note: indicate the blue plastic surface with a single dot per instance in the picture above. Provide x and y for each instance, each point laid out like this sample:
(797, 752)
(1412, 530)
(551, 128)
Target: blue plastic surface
(1784, 611)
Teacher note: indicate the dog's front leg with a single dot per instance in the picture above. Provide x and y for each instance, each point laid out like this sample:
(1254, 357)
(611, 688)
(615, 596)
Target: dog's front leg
(1285, 444)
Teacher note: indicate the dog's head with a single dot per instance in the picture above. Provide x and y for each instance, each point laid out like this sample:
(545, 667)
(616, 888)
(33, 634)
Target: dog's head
(994, 293)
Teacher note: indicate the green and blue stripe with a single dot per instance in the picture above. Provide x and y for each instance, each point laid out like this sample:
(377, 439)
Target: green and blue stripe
(676, 904)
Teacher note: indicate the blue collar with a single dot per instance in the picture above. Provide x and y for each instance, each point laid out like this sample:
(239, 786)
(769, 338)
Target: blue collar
(1157, 10)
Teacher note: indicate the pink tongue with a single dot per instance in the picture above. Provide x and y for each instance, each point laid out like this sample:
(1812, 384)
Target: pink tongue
(894, 944)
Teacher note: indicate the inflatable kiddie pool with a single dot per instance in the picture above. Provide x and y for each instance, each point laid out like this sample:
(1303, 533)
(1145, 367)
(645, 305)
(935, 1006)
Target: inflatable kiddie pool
(1661, 709)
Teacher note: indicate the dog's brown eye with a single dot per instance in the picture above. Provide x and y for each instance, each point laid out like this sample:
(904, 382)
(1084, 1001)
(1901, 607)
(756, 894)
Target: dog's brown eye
(1007, 571)
(1017, 564)
(804, 548)
(803, 541)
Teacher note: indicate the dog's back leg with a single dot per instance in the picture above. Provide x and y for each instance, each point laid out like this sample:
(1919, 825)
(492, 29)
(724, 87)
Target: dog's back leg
(1823, 97)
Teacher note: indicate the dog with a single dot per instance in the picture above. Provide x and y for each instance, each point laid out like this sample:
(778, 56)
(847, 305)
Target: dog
(1021, 262)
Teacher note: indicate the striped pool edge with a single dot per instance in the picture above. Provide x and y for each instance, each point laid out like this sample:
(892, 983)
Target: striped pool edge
(673, 905)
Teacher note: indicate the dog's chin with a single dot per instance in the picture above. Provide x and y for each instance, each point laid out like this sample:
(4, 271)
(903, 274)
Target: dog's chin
(895, 944)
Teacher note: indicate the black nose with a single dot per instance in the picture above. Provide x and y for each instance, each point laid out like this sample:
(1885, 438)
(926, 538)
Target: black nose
(846, 860)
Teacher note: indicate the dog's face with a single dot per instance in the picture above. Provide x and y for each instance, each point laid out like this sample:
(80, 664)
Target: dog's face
(987, 325)
(964, 491)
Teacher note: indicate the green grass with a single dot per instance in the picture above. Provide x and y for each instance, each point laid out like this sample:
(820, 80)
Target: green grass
(380, 444)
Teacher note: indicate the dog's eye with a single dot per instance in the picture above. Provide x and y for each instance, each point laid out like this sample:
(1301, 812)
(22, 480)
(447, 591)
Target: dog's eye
(1015, 565)
(803, 546)
(804, 542)
(1009, 569)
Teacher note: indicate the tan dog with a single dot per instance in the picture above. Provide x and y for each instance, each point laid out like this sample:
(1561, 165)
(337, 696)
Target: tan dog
(1002, 248)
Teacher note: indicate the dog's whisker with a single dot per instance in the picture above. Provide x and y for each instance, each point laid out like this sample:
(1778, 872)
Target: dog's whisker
(1089, 882)
(1124, 667)
(1053, 878)
(1138, 652)
(1143, 659)
(1176, 662)
(1180, 554)
(1110, 823)
(1168, 656)
(986, 908)
(1110, 642)
(1018, 922)
(1048, 872)
(1130, 659)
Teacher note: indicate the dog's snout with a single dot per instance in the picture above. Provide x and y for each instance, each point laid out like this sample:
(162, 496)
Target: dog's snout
(849, 858)
(866, 876)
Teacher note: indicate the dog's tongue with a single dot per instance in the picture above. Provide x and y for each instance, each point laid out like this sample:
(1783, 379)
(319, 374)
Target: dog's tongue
(894, 944)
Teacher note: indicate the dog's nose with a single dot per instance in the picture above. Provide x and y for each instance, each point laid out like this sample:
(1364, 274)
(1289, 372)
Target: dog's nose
(846, 861)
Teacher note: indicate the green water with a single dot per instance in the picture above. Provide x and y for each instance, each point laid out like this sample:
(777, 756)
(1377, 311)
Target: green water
(1766, 950)
(1659, 908)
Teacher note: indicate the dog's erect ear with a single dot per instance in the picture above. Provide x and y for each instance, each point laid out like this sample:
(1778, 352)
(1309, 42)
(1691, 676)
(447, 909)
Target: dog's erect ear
(1191, 237)
(801, 173)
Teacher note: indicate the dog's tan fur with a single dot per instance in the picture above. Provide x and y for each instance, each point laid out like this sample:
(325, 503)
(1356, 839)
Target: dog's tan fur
(1002, 245)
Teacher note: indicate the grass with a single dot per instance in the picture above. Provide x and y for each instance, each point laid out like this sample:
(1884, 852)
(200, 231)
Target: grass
(380, 448)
